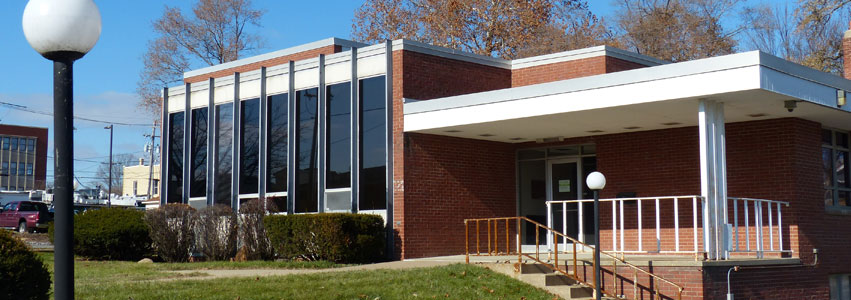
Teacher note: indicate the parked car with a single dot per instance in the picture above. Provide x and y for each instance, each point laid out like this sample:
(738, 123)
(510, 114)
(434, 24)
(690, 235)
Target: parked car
(25, 216)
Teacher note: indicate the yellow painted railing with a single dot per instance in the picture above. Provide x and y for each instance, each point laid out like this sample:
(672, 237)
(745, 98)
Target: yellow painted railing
(493, 248)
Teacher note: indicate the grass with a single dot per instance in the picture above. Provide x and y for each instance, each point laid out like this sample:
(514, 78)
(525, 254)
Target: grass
(129, 280)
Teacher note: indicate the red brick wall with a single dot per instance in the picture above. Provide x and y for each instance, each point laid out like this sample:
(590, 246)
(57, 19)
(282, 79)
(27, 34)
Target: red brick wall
(570, 69)
(449, 180)
(614, 64)
(330, 49)
(558, 71)
(428, 77)
(40, 134)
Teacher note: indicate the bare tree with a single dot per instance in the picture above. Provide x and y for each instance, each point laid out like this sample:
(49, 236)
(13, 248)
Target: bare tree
(507, 29)
(119, 161)
(217, 33)
(677, 30)
(809, 34)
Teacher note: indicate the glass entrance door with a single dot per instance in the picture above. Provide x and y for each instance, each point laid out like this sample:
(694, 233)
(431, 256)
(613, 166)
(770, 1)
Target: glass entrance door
(563, 184)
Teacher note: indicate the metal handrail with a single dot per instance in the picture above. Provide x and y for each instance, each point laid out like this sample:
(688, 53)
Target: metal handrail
(554, 266)
(697, 204)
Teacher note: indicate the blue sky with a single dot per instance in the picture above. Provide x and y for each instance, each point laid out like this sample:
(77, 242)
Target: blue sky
(105, 79)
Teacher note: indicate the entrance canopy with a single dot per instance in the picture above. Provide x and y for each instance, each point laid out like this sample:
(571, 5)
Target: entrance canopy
(751, 86)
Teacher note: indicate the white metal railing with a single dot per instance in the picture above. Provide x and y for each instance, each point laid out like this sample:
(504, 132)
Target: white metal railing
(624, 242)
(619, 237)
(758, 240)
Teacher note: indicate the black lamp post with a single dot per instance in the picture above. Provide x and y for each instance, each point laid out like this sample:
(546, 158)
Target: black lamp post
(62, 31)
(596, 182)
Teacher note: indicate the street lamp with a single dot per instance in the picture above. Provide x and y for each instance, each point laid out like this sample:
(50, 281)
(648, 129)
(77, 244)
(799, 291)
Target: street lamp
(109, 184)
(596, 182)
(62, 31)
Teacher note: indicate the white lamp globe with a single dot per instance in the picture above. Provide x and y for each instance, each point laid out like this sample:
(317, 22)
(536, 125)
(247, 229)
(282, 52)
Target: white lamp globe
(62, 29)
(596, 181)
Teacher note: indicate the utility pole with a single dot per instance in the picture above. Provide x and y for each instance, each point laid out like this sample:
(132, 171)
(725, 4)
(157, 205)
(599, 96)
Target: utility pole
(153, 136)
(109, 191)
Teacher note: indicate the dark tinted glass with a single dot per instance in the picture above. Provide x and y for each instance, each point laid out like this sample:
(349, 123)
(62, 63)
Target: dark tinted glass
(224, 153)
(5, 143)
(589, 164)
(827, 167)
(373, 144)
(14, 143)
(26, 206)
(841, 167)
(277, 142)
(175, 158)
(339, 136)
(306, 174)
(198, 185)
(22, 168)
(30, 145)
(14, 169)
(249, 132)
(29, 169)
(842, 139)
(827, 137)
(4, 169)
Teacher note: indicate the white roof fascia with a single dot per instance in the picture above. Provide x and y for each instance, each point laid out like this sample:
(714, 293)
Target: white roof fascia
(274, 54)
(699, 78)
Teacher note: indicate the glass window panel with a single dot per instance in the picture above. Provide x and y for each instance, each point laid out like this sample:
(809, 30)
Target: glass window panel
(531, 154)
(827, 137)
(14, 169)
(249, 132)
(589, 164)
(5, 143)
(5, 168)
(840, 165)
(277, 136)
(827, 167)
(224, 154)
(564, 150)
(306, 141)
(31, 145)
(842, 139)
(29, 169)
(373, 139)
(198, 184)
(339, 136)
(828, 197)
(844, 198)
(589, 149)
(14, 143)
(175, 158)
(22, 169)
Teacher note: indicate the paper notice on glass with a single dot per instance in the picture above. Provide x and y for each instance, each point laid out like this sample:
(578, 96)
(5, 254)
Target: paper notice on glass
(564, 186)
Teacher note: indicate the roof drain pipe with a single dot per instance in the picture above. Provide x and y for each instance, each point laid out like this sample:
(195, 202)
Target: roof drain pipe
(729, 292)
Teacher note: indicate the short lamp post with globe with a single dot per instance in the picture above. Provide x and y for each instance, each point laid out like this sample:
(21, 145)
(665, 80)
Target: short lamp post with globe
(596, 182)
(62, 31)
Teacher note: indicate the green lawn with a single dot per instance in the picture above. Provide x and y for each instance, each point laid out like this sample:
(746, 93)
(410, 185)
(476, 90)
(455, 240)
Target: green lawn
(129, 280)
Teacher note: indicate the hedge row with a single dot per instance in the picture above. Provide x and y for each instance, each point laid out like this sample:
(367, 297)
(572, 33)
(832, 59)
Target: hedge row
(337, 237)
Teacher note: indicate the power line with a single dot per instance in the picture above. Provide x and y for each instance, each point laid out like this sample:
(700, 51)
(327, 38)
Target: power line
(33, 111)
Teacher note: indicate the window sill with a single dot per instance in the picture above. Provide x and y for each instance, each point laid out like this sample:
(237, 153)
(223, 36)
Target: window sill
(837, 210)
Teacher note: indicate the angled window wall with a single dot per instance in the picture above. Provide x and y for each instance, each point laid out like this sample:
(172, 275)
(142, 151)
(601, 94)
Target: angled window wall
(311, 136)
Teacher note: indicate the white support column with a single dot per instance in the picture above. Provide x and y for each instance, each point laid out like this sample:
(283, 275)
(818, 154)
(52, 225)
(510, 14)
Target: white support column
(706, 120)
(721, 219)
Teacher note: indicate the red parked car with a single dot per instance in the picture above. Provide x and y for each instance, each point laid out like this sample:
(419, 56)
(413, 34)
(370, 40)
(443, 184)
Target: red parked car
(25, 216)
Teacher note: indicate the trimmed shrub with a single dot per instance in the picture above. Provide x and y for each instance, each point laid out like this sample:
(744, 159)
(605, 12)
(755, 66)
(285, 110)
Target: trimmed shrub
(252, 233)
(171, 231)
(22, 274)
(216, 230)
(337, 237)
(111, 234)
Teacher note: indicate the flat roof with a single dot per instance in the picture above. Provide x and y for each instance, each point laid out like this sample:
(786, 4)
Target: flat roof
(750, 83)
(410, 45)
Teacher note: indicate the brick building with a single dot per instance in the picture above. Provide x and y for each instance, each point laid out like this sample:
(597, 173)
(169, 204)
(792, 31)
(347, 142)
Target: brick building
(739, 160)
(23, 158)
